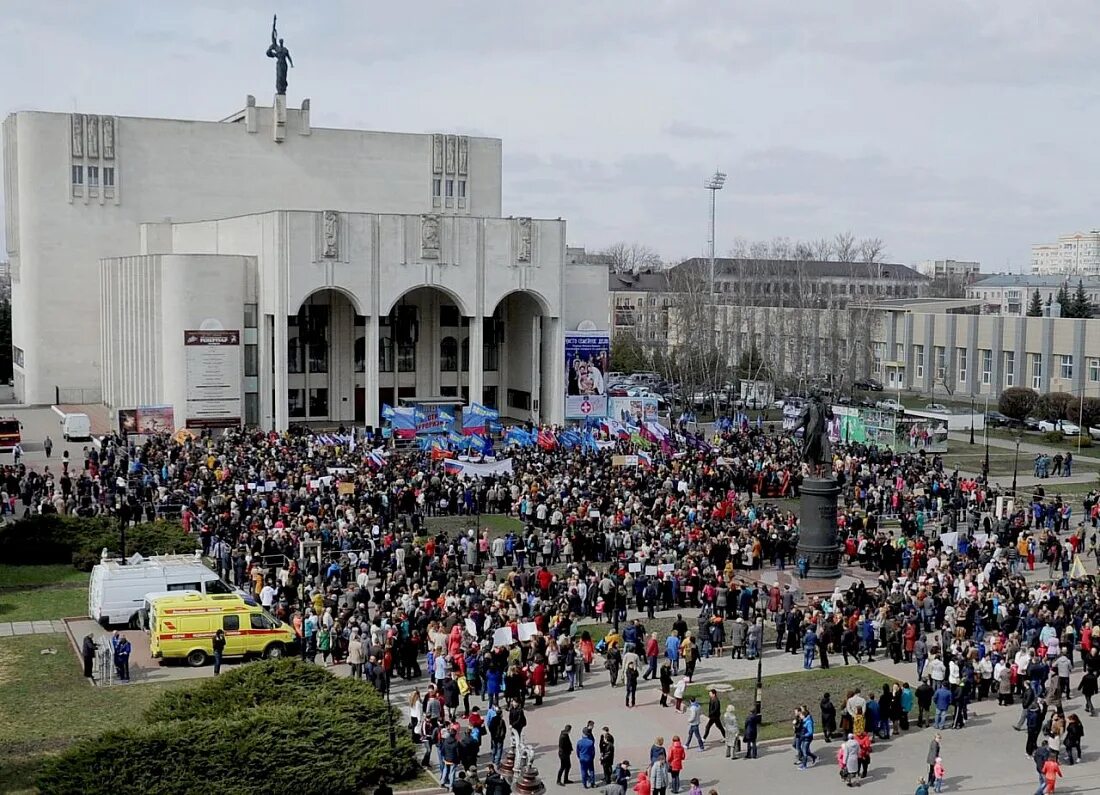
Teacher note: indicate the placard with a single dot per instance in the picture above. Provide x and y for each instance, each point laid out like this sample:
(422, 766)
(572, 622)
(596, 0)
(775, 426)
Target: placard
(347, 489)
(635, 567)
(528, 631)
(212, 374)
(667, 568)
(503, 637)
(471, 627)
(651, 571)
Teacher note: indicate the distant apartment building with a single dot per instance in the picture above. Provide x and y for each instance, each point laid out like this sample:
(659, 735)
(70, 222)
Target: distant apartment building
(1075, 254)
(964, 271)
(640, 305)
(1010, 293)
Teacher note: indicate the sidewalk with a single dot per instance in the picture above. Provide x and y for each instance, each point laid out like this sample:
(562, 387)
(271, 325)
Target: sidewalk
(10, 628)
(1032, 449)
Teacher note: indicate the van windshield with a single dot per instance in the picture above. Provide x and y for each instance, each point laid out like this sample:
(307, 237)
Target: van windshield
(274, 622)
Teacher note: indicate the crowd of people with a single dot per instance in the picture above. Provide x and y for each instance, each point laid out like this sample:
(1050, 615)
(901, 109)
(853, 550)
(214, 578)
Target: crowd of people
(335, 538)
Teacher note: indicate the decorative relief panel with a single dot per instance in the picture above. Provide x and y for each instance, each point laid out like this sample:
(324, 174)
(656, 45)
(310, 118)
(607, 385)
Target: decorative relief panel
(429, 236)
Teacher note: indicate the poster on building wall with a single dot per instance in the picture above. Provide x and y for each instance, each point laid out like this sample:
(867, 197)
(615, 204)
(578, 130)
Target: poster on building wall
(587, 360)
(213, 377)
(632, 409)
(146, 420)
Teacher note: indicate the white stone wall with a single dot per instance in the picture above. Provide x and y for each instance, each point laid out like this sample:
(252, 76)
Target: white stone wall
(184, 171)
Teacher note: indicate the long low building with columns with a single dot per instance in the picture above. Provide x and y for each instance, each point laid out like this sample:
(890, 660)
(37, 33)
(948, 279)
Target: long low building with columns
(260, 270)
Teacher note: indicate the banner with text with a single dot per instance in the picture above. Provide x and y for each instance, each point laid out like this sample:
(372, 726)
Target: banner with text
(213, 377)
(587, 360)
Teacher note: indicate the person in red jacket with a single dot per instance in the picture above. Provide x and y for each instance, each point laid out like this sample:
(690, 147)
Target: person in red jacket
(652, 651)
(676, 756)
(538, 680)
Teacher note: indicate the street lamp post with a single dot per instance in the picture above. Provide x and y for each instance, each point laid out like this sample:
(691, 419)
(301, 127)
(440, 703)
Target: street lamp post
(760, 672)
(713, 184)
(1015, 466)
(972, 419)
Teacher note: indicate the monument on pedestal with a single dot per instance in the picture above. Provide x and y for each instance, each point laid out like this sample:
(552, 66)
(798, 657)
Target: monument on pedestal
(817, 515)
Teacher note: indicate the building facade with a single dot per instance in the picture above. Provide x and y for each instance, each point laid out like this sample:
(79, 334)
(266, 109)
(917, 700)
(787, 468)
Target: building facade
(1075, 254)
(950, 270)
(1011, 294)
(330, 270)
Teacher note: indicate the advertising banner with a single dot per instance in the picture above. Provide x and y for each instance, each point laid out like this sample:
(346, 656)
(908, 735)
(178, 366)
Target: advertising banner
(635, 410)
(146, 420)
(213, 377)
(587, 359)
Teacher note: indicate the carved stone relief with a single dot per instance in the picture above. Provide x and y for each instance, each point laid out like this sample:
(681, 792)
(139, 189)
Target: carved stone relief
(463, 153)
(450, 149)
(330, 222)
(78, 135)
(523, 253)
(108, 126)
(91, 130)
(429, 237)
(437, 154)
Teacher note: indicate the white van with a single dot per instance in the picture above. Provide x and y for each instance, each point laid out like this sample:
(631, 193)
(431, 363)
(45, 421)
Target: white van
(117, 591)
(76, 426)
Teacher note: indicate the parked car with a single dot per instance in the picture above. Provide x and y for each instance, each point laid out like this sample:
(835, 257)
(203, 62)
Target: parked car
(869, 384)
(1031, 424)
(997, 419)
(935, 407)
(1065, 426)
(1094, 432)
(889, 405)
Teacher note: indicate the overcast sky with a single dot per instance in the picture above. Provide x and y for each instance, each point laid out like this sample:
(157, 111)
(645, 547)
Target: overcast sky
(947, 128)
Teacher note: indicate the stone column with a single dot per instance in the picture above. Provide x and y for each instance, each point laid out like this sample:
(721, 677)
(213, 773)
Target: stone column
(282, 416)
(370, 366)
(477, 358)
(817, 527)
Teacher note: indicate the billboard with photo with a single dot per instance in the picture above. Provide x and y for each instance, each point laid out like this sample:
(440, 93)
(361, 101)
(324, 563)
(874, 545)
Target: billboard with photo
(146, 420)
(632, 409)
(587, 360)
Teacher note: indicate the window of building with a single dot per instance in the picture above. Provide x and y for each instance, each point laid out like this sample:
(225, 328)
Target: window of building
(251, 360)
(1010, 368)
(489, 396)
(251, 408)
(960, 357)
(448, 355)
(1067, 365)
(450, 188)
(406, 357)
(93, 176)
(448, 316)
(878, 354)
(519, 399)
(108, 176)
(437, 187)
(360, 354)
(318, 401)
(899, 352)
(987, 366)
(462, 189)
(78, 175)
(1094, 369)
(296, 402)
(17, 355)
(918, 360)
(251, 316)
(385, 355)
(1037, 371)
(464, 359)
(491, 348)
(939, 358)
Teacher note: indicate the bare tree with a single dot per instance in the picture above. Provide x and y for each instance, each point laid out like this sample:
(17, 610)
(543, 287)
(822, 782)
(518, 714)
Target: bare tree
(700, 358)
(844, 245)
(823, 249)
(632, 257)
(872, 249)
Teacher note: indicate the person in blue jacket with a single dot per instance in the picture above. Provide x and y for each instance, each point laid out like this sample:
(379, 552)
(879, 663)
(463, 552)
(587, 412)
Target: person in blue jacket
(586, 756)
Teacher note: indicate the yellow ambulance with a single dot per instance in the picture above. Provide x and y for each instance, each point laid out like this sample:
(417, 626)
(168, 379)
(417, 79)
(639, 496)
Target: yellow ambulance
(183, 627)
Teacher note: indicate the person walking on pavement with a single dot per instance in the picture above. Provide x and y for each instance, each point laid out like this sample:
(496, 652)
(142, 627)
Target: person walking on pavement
(47, 445)
(607, 754)
(586, 757)
(219, 649)
(806, 738)
(565, 756)
(933, 755)
(714, 715)
(694, 715)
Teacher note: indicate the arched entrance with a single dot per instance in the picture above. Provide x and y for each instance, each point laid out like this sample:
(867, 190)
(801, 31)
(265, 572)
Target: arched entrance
(324, 369)
(520, 343)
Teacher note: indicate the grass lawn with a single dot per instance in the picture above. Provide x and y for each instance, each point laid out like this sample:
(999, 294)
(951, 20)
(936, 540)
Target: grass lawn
(41, 604)
(26, 576)
(45, 705)
(496, 524)
(783, 693)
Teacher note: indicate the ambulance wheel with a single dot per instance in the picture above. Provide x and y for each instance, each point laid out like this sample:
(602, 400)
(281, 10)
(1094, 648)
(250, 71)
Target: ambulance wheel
(274, 651)
(197, 658)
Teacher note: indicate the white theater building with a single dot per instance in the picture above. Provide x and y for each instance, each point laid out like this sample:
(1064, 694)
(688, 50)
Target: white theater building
(261, 270)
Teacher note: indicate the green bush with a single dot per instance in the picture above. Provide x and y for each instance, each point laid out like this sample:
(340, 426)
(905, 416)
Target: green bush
(280, 726)
(1053, 437)
(52, 538)
(1084, 440)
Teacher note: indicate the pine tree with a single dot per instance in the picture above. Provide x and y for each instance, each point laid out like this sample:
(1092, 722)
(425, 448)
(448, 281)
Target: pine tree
(1035, 308)
(1065, 302)
(1081, 305)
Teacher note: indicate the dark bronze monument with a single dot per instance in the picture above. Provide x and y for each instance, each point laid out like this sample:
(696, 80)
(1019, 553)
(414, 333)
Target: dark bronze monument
(282, 58)
(817, 515)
